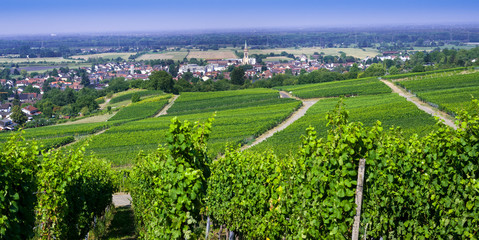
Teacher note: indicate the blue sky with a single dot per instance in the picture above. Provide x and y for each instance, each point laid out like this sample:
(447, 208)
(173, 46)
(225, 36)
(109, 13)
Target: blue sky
(103, 16)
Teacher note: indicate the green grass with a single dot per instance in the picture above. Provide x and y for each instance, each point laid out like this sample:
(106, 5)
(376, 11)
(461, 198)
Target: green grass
(390, 109)
(362, 86)
(121, 226)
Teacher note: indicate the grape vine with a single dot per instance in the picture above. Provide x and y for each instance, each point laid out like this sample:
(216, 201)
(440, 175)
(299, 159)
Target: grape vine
(168, 186)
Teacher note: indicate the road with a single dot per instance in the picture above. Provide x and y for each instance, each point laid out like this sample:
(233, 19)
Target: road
(307, 103)
(165, 109)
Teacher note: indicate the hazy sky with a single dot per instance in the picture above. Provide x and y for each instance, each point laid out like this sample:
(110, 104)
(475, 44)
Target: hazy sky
(97, 16)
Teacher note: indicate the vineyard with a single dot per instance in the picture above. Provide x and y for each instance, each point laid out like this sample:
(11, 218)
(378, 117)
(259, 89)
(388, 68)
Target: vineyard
(241, 117)
(59, 135)
(450, 93)
(415, 187)
(189, 103)
(127, 95)
(362, 86)
(365, 109)
(54, 196)
(141, 110)
(184, 177)
(429, 73)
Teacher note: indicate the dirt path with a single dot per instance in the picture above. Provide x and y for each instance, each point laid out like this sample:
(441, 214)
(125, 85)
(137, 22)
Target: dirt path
(165, 109)
(121, 199)
(103, 105)
(307, 103)
(448, 120)
(82, 137)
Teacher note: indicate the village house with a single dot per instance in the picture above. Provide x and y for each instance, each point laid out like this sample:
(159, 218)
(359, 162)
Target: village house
(30, 110)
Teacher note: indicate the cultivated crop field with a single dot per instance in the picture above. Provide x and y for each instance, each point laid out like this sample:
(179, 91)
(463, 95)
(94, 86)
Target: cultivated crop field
(189, 103)
(450, 93)
(124, 55)
(122, 96)
(174, 55)
(362, 86)
(229, 53)
(141, 109)
(212, 54)
(58, 135)
(36, 60)
(355, 52)
(390, 109)
(274, 59)
(235, 123)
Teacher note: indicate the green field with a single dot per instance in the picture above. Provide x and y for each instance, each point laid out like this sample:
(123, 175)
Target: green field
(450, 93)
(37, 60)
(225, 53)
(142, 109)
(362, 86)
(58, 135)
(390, 109)
(241, 116)
(122, 96)
(355, 52)
(124, 55)
(189, 103)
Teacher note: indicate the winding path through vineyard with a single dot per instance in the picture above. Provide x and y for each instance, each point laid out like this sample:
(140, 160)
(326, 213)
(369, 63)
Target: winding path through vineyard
(448, 120)
(307, 103)
(165, 109)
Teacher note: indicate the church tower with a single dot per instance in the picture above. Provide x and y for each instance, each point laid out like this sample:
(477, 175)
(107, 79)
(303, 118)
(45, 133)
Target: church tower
(245, 57)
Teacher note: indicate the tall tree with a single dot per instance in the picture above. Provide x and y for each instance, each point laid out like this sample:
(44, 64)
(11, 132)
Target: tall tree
(18, 116)
(237, 76)
(161, 80)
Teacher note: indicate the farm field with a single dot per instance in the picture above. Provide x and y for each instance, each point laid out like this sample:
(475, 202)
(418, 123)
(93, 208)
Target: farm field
(174, 55)
(355, 52)
(189, 103)
(124, 55)
(140, 110)
(366, 109)
(126, 95)
(92, 119)
(229, 53)
(36, 60)
(362, 86)
(234, 124)
(58, 135)
(449, 93)
(275, 59)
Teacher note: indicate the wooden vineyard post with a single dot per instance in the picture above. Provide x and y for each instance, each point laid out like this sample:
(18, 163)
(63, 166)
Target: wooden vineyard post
(359, 199)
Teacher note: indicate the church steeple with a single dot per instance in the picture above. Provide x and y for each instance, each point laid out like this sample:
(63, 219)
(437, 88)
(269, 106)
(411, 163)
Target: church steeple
(245, 54)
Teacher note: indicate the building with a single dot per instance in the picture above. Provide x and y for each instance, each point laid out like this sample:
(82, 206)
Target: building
(246, 59)
(245, 54)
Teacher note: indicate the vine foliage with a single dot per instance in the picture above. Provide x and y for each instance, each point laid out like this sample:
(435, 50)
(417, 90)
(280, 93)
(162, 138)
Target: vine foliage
(168, 186)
